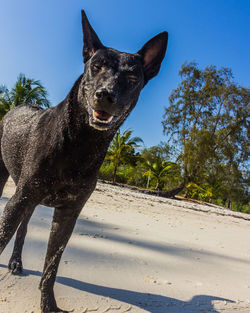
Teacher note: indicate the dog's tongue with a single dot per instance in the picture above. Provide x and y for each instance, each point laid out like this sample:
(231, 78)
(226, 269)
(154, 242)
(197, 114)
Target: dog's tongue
(102, 115)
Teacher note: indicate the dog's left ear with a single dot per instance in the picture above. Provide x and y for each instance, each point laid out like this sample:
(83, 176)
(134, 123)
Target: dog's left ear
(152, 54)
(91, 42)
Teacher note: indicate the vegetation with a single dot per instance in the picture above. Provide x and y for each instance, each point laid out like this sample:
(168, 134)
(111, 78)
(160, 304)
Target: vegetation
(149, 168)
(25, 91)
(122, 149)
(160, 171)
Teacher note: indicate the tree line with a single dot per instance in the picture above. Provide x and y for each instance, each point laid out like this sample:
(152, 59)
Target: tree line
(207, 132)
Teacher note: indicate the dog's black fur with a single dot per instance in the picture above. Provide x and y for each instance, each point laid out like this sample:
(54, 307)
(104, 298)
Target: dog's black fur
(54, 155)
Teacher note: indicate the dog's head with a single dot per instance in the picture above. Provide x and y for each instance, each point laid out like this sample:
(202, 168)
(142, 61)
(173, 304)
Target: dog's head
(112, 80)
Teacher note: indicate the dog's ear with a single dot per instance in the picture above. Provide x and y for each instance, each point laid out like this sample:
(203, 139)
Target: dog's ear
(152, 54)
(91, 42)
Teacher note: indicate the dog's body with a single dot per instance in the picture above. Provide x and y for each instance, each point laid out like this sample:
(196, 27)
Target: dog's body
(54, 155)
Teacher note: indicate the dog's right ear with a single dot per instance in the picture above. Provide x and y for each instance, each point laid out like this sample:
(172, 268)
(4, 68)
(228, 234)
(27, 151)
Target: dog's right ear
(91, 42)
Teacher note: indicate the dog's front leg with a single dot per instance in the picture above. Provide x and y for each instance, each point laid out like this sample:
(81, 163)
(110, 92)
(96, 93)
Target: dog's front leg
(63, 223)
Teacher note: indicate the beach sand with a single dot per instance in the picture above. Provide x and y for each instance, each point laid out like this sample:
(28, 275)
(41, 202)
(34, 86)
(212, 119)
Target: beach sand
(131, 252)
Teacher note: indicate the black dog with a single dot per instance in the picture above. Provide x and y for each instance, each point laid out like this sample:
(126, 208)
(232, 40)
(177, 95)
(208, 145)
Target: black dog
(54, 155)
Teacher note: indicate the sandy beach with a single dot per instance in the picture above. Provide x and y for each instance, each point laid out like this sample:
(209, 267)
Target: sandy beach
(132, 252)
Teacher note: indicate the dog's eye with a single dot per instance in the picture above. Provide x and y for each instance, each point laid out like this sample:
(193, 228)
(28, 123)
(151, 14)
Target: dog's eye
(132, 80)
(97, 67)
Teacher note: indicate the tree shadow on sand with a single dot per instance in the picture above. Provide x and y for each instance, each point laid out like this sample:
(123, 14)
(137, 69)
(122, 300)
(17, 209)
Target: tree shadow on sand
(149, 302)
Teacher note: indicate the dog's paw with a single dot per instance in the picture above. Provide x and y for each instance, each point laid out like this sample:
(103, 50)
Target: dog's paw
(15, 266)
(48, 304)
(60, 311)
(57, 310)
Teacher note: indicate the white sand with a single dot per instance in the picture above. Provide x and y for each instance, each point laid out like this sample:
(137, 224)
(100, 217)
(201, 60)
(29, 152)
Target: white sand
(136, 253)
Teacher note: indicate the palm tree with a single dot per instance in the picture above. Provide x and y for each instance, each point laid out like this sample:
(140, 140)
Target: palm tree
(5, 103)
(25, 91)
(122, 149)
(158, 169)
(28, 91)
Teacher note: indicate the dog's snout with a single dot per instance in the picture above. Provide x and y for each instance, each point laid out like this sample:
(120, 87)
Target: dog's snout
(105, 95)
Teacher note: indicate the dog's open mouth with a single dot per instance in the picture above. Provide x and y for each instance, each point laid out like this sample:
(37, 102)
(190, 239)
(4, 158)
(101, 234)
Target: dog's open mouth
(101, 120)
(102, 116)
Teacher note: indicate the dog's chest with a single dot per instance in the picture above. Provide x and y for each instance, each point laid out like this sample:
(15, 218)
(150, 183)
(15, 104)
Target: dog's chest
(73, 180)
(76, 190)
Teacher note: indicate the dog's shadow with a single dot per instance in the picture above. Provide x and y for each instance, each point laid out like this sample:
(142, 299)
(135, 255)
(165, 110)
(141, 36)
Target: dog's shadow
(152, 303)
(149, 302)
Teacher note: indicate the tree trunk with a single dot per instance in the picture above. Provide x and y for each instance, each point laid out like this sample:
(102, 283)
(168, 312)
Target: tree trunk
(172, 193)
(229, 205)
(148, 181)
(157, 184)
(114, 174)
(166, 194)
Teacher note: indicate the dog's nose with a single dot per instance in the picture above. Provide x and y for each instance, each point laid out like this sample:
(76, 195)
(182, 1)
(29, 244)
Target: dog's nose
(105, 95)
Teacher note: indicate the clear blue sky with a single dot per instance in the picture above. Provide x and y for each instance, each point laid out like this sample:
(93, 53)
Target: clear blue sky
(43, 40)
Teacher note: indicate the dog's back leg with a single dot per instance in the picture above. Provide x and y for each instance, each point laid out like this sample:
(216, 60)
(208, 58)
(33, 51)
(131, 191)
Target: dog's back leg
(15, 263)
(4, 174)
(20, 206)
